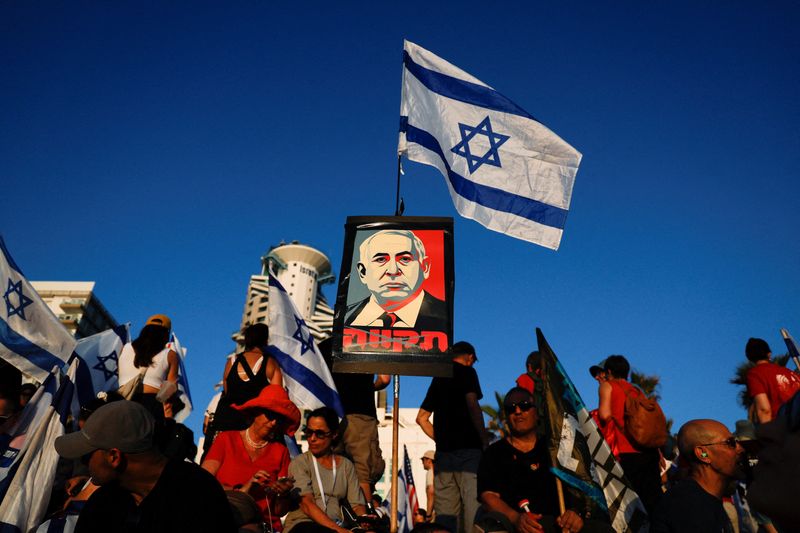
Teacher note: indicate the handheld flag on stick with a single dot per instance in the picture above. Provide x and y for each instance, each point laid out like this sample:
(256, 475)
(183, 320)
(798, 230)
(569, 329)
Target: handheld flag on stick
(581, 458)
(31, 337)
(24, 489)
(411, 489)
(405, 515)
(305, 375)
(183, 380)
(99, 355)
(791, 345)
(503, 168)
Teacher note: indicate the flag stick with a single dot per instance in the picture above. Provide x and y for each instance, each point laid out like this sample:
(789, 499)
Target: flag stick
(395, 453)
(398, 203)
(560, 489)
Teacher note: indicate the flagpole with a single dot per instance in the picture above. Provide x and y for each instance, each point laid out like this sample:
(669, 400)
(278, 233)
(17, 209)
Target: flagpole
(398, 202)
(561, 506)
(395, 453)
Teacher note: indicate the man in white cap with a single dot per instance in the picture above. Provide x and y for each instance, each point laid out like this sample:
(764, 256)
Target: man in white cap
(140, 489)
(427, 464)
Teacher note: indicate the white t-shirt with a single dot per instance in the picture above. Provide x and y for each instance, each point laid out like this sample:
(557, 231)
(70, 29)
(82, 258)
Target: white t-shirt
(156, 372)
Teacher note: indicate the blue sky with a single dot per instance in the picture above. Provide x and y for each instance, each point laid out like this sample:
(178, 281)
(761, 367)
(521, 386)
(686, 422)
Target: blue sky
(160, 148)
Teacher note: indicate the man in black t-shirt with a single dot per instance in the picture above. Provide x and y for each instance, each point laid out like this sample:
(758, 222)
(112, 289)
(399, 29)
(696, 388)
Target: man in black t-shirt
(460, 435)
(715, 465)
(141, 491)
(515, 483)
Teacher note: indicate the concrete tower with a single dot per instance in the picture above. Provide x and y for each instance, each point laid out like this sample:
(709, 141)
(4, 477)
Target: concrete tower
(302, 270)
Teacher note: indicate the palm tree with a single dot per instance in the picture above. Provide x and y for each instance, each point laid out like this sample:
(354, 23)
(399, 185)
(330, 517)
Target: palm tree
(497, 417)
(650, 384)
(740, 378)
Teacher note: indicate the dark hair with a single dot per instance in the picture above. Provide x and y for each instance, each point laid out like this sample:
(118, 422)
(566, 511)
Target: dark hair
(617, 366)
(256, 336)
(516, 390)
(328, 415)
(533, 360)
(757, 349)
(150, 341)
(462, 348)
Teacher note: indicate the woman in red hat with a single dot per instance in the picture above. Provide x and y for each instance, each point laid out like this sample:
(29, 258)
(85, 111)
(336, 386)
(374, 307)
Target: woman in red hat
(255, 460)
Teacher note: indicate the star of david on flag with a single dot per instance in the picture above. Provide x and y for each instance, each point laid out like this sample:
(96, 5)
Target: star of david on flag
(306, 341)
(32, 338)
(490, 157)
(503, 168)
(22, 300)
(305, 375)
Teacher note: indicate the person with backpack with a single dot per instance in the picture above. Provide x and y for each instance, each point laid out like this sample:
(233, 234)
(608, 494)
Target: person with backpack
(638, 429)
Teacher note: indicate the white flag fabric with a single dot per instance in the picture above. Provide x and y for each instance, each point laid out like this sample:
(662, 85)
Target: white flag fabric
(503, 168)
(31, 337)
(25, 490)
(305, 374)
(405, 518)
(99, 371)
(183, 380)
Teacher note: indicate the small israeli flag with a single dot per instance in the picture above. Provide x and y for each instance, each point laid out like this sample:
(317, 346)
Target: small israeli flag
(99, 354)
(31, 337)
(183, 380)
(305, 374)
(503, 168)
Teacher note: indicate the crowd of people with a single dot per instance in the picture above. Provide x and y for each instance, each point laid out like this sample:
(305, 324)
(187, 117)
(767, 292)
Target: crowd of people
(128, 466)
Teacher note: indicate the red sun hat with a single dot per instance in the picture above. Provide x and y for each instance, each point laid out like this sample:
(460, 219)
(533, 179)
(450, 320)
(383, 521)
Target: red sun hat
(274, 398)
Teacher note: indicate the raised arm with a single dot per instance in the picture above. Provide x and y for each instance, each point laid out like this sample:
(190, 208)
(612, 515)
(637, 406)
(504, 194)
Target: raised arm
(604, 409)
(424, 421)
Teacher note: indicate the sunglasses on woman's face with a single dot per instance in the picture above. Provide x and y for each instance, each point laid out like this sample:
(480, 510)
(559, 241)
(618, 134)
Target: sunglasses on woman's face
(318, 433)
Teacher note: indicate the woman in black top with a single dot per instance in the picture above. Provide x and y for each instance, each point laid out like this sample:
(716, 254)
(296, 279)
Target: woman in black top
(246, 374)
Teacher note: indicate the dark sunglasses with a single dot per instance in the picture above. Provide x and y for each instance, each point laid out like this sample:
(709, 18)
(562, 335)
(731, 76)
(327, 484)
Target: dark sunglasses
(730, 442)
(272, 415)
(524, 406)
(316, 432)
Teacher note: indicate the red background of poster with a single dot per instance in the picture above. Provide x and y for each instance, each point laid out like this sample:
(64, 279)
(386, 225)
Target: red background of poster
(434, 246)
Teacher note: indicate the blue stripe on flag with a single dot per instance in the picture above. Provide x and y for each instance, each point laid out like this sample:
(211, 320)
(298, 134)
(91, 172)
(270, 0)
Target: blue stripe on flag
(308, 379)
(463, 91)
(489, 197)
(8, 257)
(83, 381)
(26, 349)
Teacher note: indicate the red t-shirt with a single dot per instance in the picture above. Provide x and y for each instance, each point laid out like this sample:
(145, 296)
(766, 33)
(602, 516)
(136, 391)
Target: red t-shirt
(236, 468)
(618, 389)
(777, 382)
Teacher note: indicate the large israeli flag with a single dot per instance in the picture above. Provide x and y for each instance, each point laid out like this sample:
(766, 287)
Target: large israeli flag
(31, 337)
(305, 374)
(503, 168)
(29, 455)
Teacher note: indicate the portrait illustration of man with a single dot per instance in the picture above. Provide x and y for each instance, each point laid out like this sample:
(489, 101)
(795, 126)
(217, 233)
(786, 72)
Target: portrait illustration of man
(393, 266)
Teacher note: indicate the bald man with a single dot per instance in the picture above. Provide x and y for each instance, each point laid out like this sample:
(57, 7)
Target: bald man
(715, 464)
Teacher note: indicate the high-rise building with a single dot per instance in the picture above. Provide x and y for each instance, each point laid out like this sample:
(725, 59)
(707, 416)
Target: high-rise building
(302, 270)
(75, 304)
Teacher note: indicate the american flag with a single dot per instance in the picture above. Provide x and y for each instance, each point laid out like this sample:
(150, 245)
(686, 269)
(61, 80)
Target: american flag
(413, 504)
